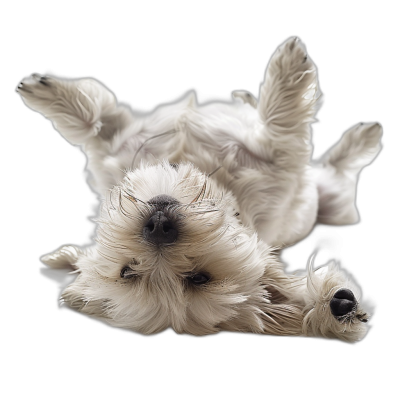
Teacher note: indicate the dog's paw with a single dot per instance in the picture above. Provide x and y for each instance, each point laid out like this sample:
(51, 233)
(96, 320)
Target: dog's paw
(357, 148)
(290, 89)
(332, 305)
(344, 306)
(37, 91)
(74, 106)
(291, 64)
(33, 84)
(294, 50)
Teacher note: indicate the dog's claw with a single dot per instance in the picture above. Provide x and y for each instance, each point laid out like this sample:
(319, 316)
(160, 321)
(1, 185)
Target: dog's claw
(363, 318)
(293, 42)
(19, 86)
(32, 83)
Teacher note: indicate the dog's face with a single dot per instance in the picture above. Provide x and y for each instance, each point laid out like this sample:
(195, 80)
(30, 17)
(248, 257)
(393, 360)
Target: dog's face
(171, 251)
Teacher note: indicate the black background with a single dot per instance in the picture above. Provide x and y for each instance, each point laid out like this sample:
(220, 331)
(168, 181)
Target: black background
(149, 58)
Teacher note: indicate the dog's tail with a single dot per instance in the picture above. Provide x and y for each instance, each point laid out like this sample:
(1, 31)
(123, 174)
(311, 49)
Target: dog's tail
(337, 173)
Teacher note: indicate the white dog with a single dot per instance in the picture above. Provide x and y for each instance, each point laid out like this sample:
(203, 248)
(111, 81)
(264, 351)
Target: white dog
(178, 248)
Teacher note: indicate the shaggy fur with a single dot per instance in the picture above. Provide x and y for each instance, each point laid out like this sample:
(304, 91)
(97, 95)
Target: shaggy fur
(241, 185)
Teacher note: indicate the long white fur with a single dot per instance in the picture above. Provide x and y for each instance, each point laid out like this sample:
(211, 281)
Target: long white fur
(263, 148)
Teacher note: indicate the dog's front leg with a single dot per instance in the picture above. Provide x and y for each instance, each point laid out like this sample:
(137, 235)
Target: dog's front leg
(79, 109)
(325, 302)
(332, 304)
(287, 105)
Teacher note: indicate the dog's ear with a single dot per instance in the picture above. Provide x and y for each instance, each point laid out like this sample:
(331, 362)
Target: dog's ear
(78, 287)
(85, 294)
(61, 263)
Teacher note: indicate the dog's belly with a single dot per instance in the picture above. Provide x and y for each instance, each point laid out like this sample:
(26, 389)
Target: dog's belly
(282, 208)
(280, 205)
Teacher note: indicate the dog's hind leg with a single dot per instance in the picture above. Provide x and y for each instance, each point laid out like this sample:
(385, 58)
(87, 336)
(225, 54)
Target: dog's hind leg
(287, 105)
(337, 173)
(79, 109)
(286, 205)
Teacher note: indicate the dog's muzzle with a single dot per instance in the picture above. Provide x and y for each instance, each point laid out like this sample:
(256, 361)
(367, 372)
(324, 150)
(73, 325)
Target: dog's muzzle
(161, 228)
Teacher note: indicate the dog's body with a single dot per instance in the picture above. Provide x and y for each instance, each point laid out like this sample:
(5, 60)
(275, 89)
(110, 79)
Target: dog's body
(177, 247)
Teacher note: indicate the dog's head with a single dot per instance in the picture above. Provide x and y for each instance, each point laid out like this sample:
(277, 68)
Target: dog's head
(171, 251)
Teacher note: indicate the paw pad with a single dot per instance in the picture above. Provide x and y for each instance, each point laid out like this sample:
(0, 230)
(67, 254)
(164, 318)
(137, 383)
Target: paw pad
(342, 303)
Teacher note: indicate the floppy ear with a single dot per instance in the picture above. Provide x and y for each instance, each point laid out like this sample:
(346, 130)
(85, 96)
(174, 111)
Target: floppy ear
(80, 294)
(77, 297)
(61, 263)
(84, 296)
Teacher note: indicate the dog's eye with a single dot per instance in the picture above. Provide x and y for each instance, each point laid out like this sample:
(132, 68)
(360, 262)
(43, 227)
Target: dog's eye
(127, 273)
(199, 279)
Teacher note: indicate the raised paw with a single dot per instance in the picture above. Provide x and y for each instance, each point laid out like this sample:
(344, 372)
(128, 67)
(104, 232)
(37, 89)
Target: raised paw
(30, 82)
(287, 104)
(33, 82)
(38, 91)
(337, 172)
(357, 148)
(291, 62)
(74, 106)
(290, 88)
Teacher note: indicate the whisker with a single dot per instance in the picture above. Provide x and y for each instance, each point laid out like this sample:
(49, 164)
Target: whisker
(204, 212)
(215, 170)
(148, 139)
(202, 192)
(128, 196)
(143, 202)
(190, 177)
(110, 200)
(121, 207)
(112, 259)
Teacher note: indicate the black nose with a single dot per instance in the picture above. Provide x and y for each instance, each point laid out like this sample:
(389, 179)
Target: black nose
(342, 302)
(161, 228)
(163, 200)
